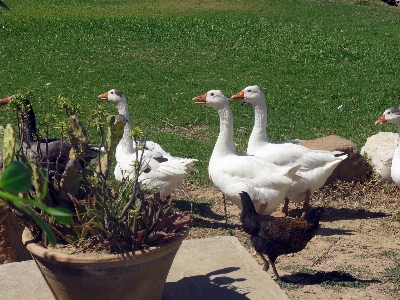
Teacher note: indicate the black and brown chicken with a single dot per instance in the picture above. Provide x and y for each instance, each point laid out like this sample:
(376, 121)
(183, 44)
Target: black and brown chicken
(274, 236)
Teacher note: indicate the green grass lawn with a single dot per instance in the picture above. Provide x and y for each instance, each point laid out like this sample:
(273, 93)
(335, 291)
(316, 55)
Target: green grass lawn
(308, 57)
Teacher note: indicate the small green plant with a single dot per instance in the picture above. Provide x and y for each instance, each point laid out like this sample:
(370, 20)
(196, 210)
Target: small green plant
(289, 285)
(396, 216)
(307, 271)
(325, 279)
(350, 284)
(393, 274)
(387, 254)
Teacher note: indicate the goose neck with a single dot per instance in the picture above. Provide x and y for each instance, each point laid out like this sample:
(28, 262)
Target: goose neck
(225, 144)
(125, 145)
(122, 107)
(259, 132)
(398, 132)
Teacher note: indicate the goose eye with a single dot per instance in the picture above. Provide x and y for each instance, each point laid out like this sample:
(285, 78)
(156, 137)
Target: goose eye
(249, 91)
(212, 94)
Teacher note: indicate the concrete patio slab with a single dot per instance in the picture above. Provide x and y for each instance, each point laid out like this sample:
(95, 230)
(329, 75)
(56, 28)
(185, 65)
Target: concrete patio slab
(212, 268)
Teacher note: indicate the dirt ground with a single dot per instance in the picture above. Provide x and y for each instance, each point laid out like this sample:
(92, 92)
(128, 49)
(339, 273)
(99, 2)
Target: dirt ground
(355, 255)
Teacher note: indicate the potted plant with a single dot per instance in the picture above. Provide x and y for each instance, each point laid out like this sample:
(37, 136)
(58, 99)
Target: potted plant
(89, 235)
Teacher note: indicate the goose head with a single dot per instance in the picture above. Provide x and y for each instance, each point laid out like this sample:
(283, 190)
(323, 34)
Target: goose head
(114, 96)
(251, 94)
(213, 98)
(390, 115)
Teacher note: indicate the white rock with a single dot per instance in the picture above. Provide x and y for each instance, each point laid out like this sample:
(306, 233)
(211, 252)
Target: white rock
(379, 148)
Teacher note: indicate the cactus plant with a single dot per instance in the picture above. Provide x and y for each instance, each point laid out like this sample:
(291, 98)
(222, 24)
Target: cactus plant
(8, 145)
(106, 214)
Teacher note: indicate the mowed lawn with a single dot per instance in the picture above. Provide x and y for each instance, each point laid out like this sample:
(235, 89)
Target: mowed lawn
(309, 58)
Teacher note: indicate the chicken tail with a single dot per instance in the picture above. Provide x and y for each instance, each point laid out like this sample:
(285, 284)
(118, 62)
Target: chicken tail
(248, 206)
(249, 217)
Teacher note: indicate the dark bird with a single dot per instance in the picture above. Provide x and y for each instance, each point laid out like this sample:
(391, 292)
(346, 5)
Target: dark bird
(53, 154)
(275, 236)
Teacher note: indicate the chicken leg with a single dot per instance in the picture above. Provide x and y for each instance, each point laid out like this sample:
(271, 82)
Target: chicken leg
(262, 208)
(266, 265)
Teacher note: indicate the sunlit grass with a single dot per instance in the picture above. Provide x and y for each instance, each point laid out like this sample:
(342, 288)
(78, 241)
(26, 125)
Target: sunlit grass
(163, 53)
(122, 8)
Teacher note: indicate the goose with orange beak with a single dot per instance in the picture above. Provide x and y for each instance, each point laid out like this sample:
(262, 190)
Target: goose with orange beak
(392, 115)
(316, 165)
(164, 172)
(232, 173)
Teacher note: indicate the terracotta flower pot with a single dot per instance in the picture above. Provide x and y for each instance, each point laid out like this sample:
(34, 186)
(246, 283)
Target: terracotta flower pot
(139, 275)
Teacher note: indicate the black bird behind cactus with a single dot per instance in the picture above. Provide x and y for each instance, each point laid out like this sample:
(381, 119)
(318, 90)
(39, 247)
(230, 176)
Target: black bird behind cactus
(276, 236)
(53, 154)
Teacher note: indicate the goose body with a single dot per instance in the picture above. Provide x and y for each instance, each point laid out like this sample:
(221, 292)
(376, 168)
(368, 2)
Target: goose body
(392, 115)
(233, 173)
(165, 177)
(316, 165)
(161, 171)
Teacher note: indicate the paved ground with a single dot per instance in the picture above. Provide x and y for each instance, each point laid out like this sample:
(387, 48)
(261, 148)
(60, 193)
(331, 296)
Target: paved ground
(212, 268)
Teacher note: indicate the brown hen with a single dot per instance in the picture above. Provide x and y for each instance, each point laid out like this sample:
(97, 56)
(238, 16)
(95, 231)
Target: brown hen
(276, 236)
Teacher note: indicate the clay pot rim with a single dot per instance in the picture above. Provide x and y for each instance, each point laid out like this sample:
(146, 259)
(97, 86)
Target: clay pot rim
(118, 259)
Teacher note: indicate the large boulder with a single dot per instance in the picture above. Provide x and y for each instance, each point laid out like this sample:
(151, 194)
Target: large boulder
(379, 150)
(352, 168)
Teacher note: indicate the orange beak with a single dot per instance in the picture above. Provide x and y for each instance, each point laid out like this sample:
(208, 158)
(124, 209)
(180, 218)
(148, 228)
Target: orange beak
(200, 99)
(6, 100)
(238, 96)
(103, 96)
(381, 120)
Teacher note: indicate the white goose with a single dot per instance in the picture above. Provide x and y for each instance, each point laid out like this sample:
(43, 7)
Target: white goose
(316, 165)
(233, 173)
(162, 172)
(392, 115)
